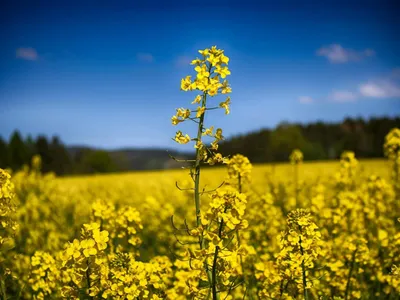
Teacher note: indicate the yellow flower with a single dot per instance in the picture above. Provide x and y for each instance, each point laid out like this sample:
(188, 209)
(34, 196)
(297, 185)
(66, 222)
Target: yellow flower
(175, 120)
(223, 71)
(200, 111)
(213, 90)
(182, 139)
(214, 145)
(225, 105)
(200, 84)
(218, 134)
(74, 249)
(209, 131)
(186, 83)
(196, 61)
(202, 72)
(197, 99)
(296, 157)
(199, 145)
(88, 247)
(101, 238)
(204, 52)
(183, 113)
(226, 89)
(223, 59)
(214, 60)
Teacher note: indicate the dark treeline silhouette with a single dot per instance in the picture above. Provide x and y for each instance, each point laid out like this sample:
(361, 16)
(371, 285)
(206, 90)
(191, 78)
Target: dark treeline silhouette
(18, 152)
(54, 155)
(318, 141)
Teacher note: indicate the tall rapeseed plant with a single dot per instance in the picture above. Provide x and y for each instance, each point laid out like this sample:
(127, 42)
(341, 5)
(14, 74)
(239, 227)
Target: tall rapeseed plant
(296, 158)
(210, 81)
(392, 152)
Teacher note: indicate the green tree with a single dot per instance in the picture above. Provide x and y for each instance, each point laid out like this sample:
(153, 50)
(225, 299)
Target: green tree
(97, 161)
(60, 162)
(17, 151)
(3, 154)
(30, 146)
(285, 139)
(43, 149)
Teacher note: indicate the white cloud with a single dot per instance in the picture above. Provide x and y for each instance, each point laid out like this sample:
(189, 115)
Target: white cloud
(145, 57)
(27, 53)
(343, 96)
(306, 100)
(183, 61)
(380, 89)
(335, 53)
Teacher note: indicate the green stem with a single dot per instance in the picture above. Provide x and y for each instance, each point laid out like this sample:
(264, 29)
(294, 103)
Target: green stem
(214, 275)
(214, 267)
(348, 285)
(197, 179)
(3, 289)
(197, 167)
(237, 232)
(303, 269)
(88, 277)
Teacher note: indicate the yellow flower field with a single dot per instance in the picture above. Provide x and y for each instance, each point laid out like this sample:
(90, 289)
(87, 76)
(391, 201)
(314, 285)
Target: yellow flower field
(50, 212)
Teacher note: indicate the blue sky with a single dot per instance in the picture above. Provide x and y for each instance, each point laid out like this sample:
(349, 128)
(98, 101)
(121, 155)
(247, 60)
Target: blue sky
(107, 74)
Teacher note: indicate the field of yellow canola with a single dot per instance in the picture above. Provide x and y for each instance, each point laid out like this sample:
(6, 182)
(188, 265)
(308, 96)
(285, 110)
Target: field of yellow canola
(288, 231)
(111, 236)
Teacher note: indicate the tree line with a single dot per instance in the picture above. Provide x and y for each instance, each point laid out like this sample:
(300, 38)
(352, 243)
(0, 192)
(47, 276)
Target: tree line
(317, 140)
(55, 156)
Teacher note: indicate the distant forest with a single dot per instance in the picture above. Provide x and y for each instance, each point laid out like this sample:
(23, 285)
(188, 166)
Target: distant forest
(318, 141)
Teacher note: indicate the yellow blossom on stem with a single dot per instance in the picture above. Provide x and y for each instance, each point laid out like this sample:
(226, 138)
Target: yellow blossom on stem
(209, 131)
(197, 99)
(225, 105)
(186, 83)
(200, 111)
(182, 139)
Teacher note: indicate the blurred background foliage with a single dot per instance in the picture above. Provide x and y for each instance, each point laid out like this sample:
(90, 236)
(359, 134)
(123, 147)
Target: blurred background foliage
(318, 141)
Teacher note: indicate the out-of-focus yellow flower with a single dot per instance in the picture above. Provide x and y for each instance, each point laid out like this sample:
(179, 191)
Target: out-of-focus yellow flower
(225, 105)
(296, 157)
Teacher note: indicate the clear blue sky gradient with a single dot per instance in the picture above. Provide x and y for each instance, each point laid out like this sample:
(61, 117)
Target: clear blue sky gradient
(107, 73)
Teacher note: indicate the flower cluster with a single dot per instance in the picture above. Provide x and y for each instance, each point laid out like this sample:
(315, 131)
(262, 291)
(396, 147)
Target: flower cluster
(392, 151)
(229, 206)
(239, 170)
(392, 144)
(130, 279)
(85, 261)
(45, 275)
(349, 256)
(219, 260)
(123, 224)
(8, 225)
(300, 247)
(210, 81)
(296, 157)
(345, 178)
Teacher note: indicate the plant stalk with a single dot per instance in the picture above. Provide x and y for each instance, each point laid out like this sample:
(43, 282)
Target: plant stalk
(88, 278)
(303, 270)
(348, 285)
